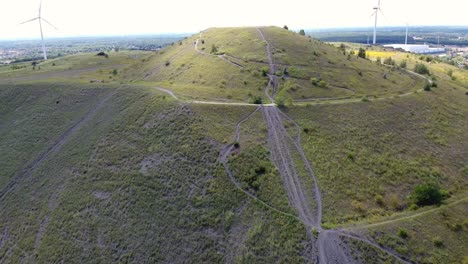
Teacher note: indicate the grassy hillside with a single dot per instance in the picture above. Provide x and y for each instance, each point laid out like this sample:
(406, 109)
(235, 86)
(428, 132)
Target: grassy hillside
(99, 165)
(208, 73)
(139, 182)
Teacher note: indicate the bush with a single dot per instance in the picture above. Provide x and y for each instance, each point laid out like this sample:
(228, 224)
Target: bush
(167, 63)
(302, 32)
(421, 69)
(427, 194)
(265, 71)
(280, 101)
(438, 242)
(257, 100)
(389, 61)
(322, 84)
(403, 64)
(403, 233)
(427, 86)
(314, 81)
(378, 61)
(214, 49)
(450, 72)
(286, 27)
(362, 53)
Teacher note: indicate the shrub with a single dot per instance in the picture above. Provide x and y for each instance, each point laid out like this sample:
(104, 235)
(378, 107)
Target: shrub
(280, 101)
(314, 81)
(265, 71)
(403, 64)
(378, 61)
(450, 72)
(421, 69)
(322, 84)
(257, 100)
(285, 27)
(114, 72)
(403, 233)
(302, 32)
(434, 84)
(167, 63)
(379, 200)
(438, 242)
(214, 49)
(427, 194)
(389, 61)
(427, 86)
(362, 53)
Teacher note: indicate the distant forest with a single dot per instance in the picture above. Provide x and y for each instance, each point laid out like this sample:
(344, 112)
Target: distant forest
(387, 35)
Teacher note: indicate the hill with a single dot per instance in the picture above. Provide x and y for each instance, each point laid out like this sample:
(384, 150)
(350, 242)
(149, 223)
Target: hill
(168, 156)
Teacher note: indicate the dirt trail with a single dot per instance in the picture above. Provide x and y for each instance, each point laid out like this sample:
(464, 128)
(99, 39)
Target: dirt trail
(156, 69)
(222, 56)
(281, 157)
(55, 147)
(329, 246)
(223, 157)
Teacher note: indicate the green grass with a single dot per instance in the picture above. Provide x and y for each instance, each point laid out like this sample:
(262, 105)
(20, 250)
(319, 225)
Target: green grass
(384, 148)
(141, 182)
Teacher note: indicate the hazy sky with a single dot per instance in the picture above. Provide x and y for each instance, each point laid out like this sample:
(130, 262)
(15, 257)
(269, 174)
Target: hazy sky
(128, 17)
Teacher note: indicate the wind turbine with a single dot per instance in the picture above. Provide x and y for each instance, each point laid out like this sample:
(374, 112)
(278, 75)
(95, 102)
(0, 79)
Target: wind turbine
(406, 36)
(40, 19)
(376, 10)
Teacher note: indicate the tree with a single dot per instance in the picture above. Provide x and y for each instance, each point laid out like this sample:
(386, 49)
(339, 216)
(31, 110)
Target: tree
(302, 32)
(427, 194)
(286, 27)
(362, 53)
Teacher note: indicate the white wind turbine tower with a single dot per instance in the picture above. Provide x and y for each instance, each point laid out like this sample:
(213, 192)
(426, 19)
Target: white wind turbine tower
(406, 36)
(376, 10)
(40, 19)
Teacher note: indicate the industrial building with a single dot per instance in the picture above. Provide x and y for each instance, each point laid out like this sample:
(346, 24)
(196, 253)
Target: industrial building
(416, 48)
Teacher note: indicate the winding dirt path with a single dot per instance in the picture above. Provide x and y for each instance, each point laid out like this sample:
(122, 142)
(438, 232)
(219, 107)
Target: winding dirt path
(222, 56)
(223, 157)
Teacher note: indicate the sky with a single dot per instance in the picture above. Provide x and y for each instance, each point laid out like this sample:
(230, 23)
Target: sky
(133, 17)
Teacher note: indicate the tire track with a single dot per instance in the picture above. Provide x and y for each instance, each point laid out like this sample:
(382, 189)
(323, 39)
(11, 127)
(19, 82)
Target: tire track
(52, 149)
(223, 157)
(329, 246)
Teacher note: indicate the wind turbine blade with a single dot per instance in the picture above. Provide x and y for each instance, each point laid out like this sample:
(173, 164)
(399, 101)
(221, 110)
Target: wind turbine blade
(40, 7)
(50, 24)
(29, 20)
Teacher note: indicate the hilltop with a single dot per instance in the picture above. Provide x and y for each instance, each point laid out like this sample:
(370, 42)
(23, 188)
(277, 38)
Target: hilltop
(180, 155)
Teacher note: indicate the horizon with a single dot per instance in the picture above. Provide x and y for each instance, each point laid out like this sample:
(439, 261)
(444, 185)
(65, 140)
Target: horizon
(180, 34)
(143, 17)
